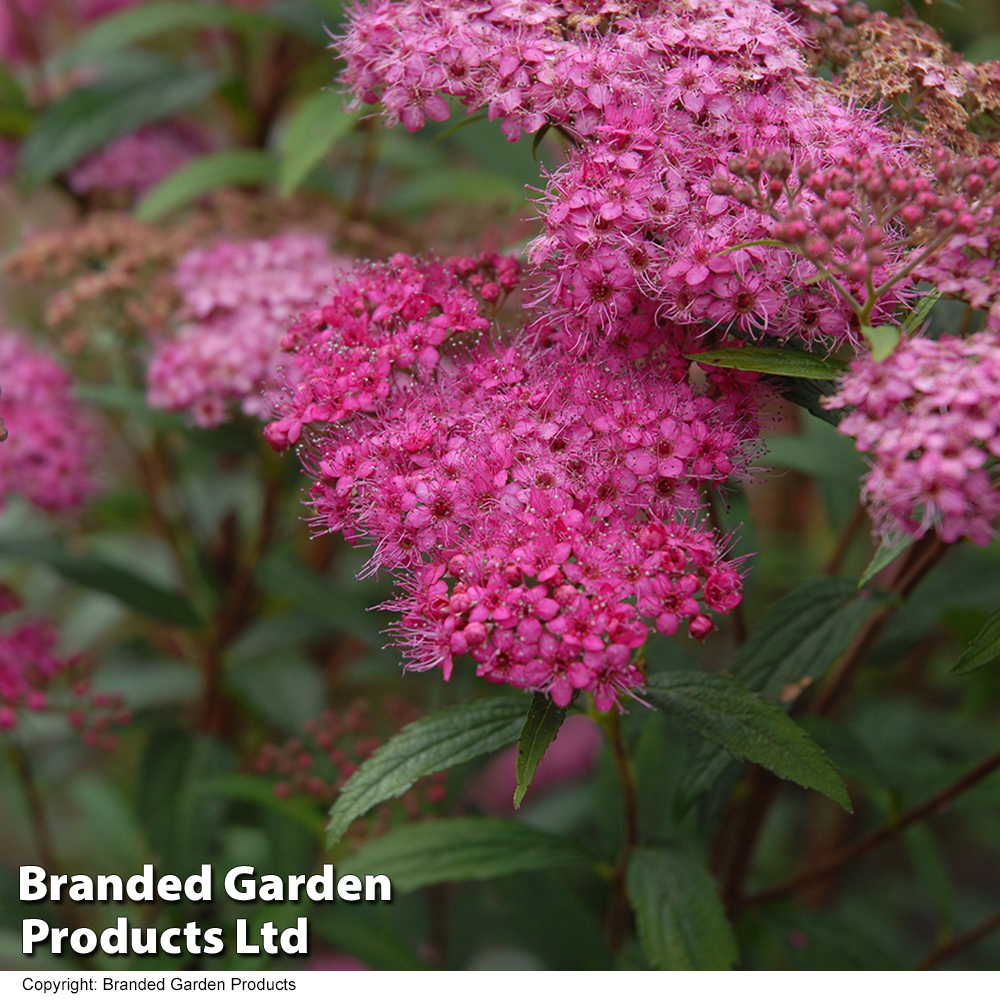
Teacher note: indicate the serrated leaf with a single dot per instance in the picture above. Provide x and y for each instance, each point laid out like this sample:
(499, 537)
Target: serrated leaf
(100, 574)
(681, 922)
(540, 728)
(317, 124)
(88, 118)
(884, 556)
(460, 850)
(916, 318)
(118, 31)
(771, 361)
(204, 174)
(748, 727)
(984, 649)
(799, 636)
(883, 340)
(433, 743)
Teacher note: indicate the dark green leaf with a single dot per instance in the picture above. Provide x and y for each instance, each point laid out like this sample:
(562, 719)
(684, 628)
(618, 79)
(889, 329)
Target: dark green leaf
(88, 118)
(537, 141)
(539, 730)
(884, 556)
(433, 743)
(457, 850)
(984, 649)
(771, 361)
(316, 125)
(127, 400)
(458, 126)
(680, 919)
(98, 573)
(748, 727)
(801, 634)
(204, 174)
(915, 320)
(118, 31)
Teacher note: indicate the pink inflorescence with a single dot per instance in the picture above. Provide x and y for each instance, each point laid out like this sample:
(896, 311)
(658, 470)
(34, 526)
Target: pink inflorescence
(633, 225)
(140, 160)
(537, 509)
(929, 415)
(238, 301)
(34, 677)
(51, 442)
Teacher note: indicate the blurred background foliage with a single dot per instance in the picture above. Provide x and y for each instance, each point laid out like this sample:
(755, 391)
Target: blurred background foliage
(207, 690)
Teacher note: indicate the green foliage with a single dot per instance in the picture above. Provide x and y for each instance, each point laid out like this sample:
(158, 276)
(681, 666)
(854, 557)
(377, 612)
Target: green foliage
(456, 850)
(311, 132)
(741, 722)
(88, 118)
(434, 743)
(984, 649)
(680, 920)
(883, 340)
(771, 361)
(540, 728)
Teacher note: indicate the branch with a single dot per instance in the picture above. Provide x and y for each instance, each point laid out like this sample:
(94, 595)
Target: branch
(966, 940)
(877, 838)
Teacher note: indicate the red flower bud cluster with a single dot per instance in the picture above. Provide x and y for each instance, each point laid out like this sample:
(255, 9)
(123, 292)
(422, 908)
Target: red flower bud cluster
(35, 678)
(331, 750)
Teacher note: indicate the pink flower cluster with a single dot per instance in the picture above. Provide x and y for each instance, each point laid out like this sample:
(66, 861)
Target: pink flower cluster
(51, 442)
(539, 509)
(382, 327)
(140, 160)
(929, 415)
(238, 299)
(658, 98)
(31, 670)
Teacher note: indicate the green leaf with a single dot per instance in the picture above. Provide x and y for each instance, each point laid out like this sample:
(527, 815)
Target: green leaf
(539, 730)
(88, 118)
(916, 318)
(680, 919)
(882, 339)
(771, 361)
(127, 400)
(457, 127)
(316, 125)
(801, 634)
(984, 649)
(118, 31)
(204, 174)
(459, 850)
(748, 727)
(100, 574)
(809, 393)
(885, 554)
(433, 743)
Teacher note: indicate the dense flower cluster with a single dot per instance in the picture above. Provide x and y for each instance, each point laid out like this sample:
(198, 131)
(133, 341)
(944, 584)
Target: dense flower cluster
(929, 415)
(238, 299)
(138, 161)
(380, 323)
(633, 227)
(51, 442)
(335, 745)
(539, 509)
(34, 677)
